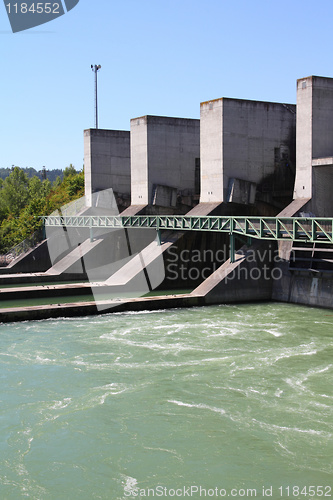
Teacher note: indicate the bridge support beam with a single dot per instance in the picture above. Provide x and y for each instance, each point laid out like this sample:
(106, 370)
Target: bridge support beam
(232, 248)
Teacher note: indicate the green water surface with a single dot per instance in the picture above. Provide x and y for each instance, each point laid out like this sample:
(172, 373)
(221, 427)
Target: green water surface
(231, 399)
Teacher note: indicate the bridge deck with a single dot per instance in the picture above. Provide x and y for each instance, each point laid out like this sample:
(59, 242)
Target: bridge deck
(307, 230)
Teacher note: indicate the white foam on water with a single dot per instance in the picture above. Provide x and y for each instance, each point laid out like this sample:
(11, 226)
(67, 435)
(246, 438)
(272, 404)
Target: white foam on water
(130, 486)
(59, 405)
(42, 360)
(326, 396)
(322, 405)
(285, 449)
(200, 406)
(172, 348)
(275, 333)
(135, 313)
(111, 390)
(169, 364)
(319, 370)
(274, 427)
(296, 383)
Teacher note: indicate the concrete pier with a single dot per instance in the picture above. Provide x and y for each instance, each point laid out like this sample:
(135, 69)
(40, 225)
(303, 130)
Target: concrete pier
(314, 154)
(165, 154)
(244, 143)
(107, 164)
(90, 308)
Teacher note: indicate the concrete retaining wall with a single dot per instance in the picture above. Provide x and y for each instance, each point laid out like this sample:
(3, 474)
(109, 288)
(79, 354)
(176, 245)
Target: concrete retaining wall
(247, 279)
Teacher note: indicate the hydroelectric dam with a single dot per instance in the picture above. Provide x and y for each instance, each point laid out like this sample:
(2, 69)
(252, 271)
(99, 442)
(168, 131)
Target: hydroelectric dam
(234, 207)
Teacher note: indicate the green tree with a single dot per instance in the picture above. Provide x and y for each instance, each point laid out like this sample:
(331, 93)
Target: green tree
(38, 188)
(57, 182)
(15, 193)
(23, 200)
(35, 187)
(69, 171)
(75, 184)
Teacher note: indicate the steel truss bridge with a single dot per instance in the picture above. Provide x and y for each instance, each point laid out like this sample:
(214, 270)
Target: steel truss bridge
(306, 230)
(297, 229)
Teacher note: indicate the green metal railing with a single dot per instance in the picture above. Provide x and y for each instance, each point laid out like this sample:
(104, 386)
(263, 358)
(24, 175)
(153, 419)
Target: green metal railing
(307, 230)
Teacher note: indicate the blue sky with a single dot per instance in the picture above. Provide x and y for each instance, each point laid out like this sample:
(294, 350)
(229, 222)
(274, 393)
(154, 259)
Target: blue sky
(158, 57)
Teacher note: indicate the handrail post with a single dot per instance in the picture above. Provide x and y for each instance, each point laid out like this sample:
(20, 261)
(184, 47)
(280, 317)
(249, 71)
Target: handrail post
(232, 241)
(314, 230)
(44, 229)
(158, 231)
(232, 248)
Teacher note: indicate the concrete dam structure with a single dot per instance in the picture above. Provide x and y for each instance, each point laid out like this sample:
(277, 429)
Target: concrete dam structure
(242, 158)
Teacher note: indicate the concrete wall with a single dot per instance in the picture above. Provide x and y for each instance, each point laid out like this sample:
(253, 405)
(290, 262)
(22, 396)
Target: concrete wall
(247, 279)
(304, 288)
(303, 181)
(314, 151)
(240, 139)
(107, 161)
(312, 290)
(163, 153)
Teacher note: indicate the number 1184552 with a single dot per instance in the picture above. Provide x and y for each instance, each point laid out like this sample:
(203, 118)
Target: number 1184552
(33, 8)
(306, 491)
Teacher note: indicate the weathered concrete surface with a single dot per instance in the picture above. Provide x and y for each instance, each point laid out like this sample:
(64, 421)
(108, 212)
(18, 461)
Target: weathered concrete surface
(30, 278)
(294, 207)
(43, 291)
(163, 154)
(249, 278)
(243, 140)
(204, 209)
(281, 287)
(87, 308)
(256, 272)
(322, 162)
(299, 287)
(312, 290)
(35, 260)
(303, 181)
(107, 162)
(314, 145)
(133, 210)
(150, 255)
(68, 263)
(138, 263)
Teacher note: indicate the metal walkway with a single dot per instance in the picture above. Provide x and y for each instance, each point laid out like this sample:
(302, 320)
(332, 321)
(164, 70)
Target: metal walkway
(307, 230)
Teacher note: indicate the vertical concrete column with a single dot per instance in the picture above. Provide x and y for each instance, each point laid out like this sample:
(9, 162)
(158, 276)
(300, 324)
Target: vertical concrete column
(139, 161)
(314, 174)
(106, 162)
(211, 151)
(303, 181)
(242, 144)
(164, 151)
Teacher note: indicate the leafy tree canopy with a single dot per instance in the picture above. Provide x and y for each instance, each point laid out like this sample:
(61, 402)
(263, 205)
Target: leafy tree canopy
(24, 199)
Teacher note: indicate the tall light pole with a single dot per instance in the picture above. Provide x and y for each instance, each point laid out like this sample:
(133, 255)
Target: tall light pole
(95, 69)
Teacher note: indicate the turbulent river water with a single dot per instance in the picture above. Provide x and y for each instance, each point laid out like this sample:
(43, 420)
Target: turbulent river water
(227, 401)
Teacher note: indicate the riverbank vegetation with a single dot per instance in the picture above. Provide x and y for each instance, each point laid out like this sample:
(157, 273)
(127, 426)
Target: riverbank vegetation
(23, 199)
